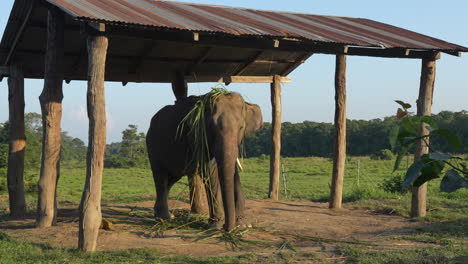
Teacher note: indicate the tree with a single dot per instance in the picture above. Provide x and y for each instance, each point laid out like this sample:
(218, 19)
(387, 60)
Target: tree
(132, 142)
(131, 152)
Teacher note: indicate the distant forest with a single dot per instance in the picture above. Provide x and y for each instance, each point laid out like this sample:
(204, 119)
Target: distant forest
(363, 137)
(298, 140)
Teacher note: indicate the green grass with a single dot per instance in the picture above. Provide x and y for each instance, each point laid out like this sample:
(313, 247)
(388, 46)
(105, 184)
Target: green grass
(430, 255)
(444, 228)
(306, 179)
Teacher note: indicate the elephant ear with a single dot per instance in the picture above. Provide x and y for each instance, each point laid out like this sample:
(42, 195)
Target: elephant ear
(253, 119)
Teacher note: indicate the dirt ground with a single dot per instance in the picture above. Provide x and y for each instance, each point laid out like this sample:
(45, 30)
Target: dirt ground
(302, 223)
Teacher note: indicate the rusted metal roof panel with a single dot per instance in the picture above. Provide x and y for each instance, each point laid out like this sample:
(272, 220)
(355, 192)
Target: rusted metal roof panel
(250, 22)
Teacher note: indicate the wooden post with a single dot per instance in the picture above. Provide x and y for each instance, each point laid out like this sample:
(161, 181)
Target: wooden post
(340, 133)
(15, 171)
(424, 104)
(90, 207)
(275, 157)
(179, 86)
(198, 199)
(51, 106)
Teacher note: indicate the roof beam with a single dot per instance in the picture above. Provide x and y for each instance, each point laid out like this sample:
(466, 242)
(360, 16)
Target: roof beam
(237, 79)
(4, 70)
(250, 62)
(265, 44)
(19, 33)
(199, 61)
(453, 53)
(202, 59)
(386, 53)
(138, 62)
(296, 64)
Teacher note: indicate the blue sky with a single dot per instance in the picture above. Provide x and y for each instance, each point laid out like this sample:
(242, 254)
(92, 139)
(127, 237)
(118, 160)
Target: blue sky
(372, 84)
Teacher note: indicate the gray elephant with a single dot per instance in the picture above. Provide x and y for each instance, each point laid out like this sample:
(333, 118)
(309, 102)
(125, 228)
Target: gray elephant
(170, 150)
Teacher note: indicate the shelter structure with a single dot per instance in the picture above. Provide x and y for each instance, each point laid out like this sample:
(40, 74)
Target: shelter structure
(172, 42)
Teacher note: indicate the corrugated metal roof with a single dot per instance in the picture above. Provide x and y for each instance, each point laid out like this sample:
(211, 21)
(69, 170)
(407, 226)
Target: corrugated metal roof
(250, 22)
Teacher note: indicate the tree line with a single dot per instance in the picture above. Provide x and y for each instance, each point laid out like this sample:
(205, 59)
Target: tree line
(298, 140)
(363, 137)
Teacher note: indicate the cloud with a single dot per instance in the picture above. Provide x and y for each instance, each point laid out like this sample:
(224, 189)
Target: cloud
(80, 115)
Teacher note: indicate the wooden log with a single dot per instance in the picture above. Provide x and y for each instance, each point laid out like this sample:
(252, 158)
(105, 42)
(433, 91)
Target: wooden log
(90, 207)
(198, 199)
(51, 106)
(179, 86)
(424, 105)
(275, 156)
(15, 171)
(240, 79)
(340, 133)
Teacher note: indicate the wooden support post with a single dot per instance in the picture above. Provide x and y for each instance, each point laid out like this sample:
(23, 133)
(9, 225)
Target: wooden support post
(90, 207)
(15, 171)
(340, 133)
(426, 91)
(198, 199)
(275, 156)
(179, 86)
(51, 106)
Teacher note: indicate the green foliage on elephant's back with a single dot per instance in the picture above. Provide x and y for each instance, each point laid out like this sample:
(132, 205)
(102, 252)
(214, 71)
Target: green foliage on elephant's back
(195, 124)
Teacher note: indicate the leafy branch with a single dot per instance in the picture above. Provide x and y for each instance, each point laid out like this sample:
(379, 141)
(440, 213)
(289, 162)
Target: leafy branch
(430, 166)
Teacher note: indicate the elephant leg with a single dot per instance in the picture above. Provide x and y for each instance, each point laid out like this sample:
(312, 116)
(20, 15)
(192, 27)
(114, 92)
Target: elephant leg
(161, 207)
(215, 200)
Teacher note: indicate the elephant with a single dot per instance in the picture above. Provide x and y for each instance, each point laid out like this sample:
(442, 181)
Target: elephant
(170, 151)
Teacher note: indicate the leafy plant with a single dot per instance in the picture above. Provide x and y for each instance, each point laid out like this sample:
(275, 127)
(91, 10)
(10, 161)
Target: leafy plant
(430, 166)
(383, 154)
(392, 184)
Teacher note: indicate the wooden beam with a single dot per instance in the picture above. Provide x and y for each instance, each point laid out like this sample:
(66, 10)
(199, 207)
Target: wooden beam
(19, 33)
(265, 44)
(296, 64)
(424, 105)
(340, 133)
(453, 53)
(15, 172)
(240, 79)
(138, 61)
(199, 61)
(99, 27)
(275, 155)
(90, 207)
(4, 70)
(179, 86)
(161, 59)
(51, 106)
(249, 62)
(80, 59)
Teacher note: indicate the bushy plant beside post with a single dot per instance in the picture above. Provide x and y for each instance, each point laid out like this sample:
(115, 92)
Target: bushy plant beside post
(431, 165)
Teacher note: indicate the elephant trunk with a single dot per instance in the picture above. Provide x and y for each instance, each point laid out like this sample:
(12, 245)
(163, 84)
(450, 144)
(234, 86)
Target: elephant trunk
(226, 154)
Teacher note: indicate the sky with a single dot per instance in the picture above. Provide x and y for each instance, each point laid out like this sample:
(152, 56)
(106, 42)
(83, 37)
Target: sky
(372, 83)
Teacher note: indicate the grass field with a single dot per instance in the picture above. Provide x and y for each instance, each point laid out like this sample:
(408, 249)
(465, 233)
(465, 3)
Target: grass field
(305, 179)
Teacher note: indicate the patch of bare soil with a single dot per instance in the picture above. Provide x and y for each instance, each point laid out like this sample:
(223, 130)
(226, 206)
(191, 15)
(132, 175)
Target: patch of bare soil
(308, 226)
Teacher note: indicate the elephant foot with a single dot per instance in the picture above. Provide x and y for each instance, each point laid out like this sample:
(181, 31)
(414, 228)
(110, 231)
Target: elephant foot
(163, 215)
(243, 222)
(215, 223)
